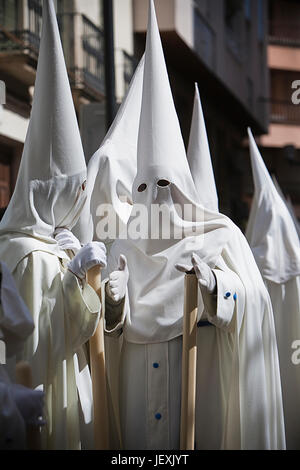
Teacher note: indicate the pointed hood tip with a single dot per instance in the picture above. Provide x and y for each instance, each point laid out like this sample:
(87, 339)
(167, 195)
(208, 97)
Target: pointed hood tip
(160, 135)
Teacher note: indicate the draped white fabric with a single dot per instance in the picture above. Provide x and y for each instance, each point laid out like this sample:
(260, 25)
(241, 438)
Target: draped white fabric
(50, 194)
(199, 158)
(274, 241)
(112, 169)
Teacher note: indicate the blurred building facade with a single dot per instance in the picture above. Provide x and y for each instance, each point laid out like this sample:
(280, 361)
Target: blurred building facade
(281, 146)
(221, 44)
(82, 31)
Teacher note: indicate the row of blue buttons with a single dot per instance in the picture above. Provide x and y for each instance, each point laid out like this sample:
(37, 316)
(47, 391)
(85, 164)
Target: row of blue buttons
(228, 294)
(158, 415)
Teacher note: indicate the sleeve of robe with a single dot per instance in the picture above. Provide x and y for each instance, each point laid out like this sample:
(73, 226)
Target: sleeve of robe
(42, 280)
(220, 307)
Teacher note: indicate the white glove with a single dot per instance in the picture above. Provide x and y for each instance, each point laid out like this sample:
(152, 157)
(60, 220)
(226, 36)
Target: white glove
(30, 404)
(92, 254)
(205, 275)
(117, 284)
(66, 240)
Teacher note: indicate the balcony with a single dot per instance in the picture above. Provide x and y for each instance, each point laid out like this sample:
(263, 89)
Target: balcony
(83, 43)
(284, 34)
(284, 112)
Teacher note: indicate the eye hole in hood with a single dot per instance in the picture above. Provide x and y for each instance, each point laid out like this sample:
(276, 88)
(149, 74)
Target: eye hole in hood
(142, 188)
(163, 183)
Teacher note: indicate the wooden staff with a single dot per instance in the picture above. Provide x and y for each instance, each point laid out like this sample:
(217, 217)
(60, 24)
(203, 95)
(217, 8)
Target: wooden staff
(24, 377)
(189, 362)
(98, 371)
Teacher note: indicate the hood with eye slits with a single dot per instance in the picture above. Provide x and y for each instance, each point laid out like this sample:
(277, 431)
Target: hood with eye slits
(49, 190)
(155, 286)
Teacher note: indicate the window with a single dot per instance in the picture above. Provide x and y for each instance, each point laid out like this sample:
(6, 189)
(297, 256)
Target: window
(247, 7)
(9, 14)
(260, 20)
(234, 25)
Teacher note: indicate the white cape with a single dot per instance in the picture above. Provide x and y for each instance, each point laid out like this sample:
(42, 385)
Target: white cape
(274, 241)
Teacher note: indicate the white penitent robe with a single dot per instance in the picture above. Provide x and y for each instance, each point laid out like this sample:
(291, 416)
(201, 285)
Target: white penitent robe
(66, 316)
(239, 404)
(50, 194)
(286, 302)
(274, 241)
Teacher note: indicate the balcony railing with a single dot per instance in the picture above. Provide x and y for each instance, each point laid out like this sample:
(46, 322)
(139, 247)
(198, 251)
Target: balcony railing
(284, 112)
(83, 42)
(130, 64)
(284, 34)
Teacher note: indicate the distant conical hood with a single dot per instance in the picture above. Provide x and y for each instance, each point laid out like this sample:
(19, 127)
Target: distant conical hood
(271, 231)
(160, 143)
(112, 169)
(293, 215)
(288, 203)
(200, 160)
(261, 176)
(49, 192)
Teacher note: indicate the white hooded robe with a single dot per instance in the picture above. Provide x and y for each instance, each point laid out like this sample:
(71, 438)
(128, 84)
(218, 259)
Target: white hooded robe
(274, 241)
(50, 194)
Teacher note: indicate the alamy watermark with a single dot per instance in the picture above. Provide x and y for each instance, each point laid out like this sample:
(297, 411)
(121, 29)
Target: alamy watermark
(154, 222)
(296, 354)
(2, 93)
(2, 353)
(296, 94)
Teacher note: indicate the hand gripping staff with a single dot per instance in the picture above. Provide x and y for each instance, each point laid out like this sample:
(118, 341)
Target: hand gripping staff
(189, 362)
(98, 371)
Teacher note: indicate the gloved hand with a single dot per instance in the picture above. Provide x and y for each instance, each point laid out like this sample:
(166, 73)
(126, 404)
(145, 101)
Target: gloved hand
(205, 275)
(92, 254)
(117, 284)
(66, 240)
(30, 404)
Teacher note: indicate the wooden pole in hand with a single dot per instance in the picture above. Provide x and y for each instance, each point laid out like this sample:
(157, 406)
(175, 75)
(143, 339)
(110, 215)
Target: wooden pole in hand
(98, 372)
(189, 362)
(24, 377)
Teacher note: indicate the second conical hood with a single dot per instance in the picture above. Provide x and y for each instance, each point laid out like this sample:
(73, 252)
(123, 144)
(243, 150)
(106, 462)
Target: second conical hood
(200, 160)
(112, 169)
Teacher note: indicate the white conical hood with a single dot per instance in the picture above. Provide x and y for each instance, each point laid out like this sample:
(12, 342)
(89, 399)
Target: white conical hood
(200, 160)
(160, 143)
(271, 232)
(48, 192)
(112, 169)
(166, 224)
(293, 215)
(53, 145)
(289, 205)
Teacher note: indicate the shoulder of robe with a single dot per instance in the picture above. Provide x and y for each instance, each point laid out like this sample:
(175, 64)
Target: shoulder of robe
(39, 262)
